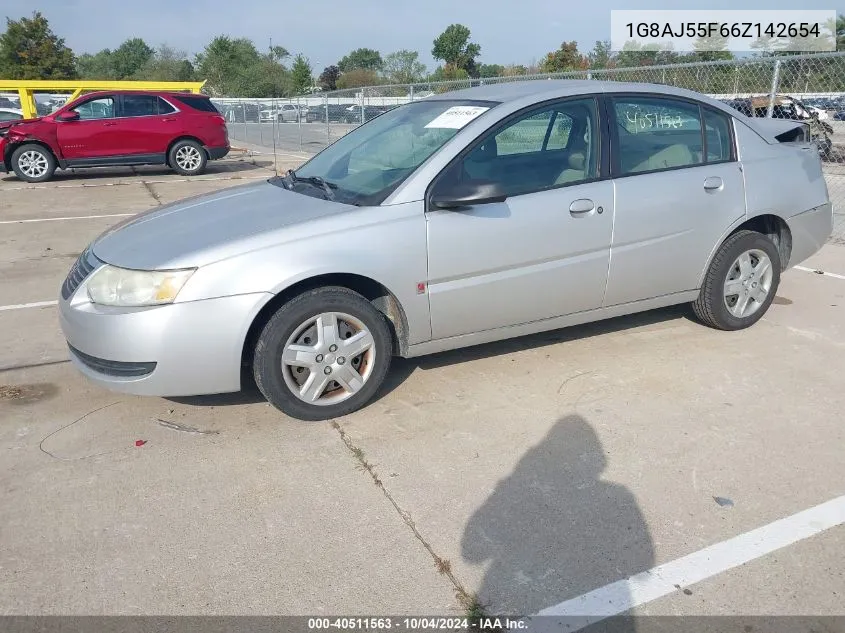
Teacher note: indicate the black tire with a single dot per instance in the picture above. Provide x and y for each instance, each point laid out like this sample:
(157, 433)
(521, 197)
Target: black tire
(45, 155)
(267, 363)
(710, 307)
(177, 158)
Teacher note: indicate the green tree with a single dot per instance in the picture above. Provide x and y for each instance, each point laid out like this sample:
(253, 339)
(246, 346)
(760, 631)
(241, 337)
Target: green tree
(363, 58)
(710, 49)
(167, 64)
(453, 46)
(601, 56)
(30, 50)
(328, 78)
(515, 70)
(490, 70)
(356, 78)
(229, 65)
(130, 57)
(301, 74)
(448, 73)
(635, 54)
(98, 66)
(403, 67)
(564, 59)
(278, 53)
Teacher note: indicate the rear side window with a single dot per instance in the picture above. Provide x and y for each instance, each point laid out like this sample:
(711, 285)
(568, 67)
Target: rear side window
(145, 105)
(717, 132)
(202, 104)
(656, 133)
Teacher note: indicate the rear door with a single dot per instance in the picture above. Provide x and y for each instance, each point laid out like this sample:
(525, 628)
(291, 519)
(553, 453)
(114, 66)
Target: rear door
(147, 124)
(95, 134)
(678, 188)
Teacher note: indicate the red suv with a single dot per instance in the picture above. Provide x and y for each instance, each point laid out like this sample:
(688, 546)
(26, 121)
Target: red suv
(181, 130)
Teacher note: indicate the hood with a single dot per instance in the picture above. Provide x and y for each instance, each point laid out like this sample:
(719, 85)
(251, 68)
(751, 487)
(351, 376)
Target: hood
(207, 228)
(22, 123)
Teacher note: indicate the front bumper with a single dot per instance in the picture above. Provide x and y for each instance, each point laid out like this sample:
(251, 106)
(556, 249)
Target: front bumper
(180, 349)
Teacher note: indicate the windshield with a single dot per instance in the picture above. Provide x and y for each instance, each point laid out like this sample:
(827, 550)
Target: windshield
(371, 161)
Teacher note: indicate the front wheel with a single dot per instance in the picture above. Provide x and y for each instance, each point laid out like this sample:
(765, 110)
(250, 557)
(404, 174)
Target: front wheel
(188, 158)
(33, 163)
(324, 354)
(741, 282)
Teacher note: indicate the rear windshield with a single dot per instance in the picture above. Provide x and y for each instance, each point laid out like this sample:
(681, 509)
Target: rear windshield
(198, 103)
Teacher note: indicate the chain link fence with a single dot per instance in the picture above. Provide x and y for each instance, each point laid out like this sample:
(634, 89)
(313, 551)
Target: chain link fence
(803, 87)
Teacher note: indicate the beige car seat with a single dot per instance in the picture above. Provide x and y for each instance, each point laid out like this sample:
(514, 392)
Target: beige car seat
(673, 156)
(575, 171)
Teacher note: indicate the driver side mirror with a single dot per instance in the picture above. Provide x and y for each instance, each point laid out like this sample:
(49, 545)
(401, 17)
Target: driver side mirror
(468, 194)
(70, 115)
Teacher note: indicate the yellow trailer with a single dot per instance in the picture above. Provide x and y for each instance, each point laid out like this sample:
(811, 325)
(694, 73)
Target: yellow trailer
(26, 89)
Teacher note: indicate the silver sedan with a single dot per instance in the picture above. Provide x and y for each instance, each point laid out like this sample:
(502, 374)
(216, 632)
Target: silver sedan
(460, 219)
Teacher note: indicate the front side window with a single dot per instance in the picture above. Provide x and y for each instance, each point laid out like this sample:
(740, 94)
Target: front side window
(656, 133)
(370, 162)
(542, 149)
(101, 108)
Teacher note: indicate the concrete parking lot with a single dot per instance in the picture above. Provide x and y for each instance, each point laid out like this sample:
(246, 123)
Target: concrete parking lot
(535, 475)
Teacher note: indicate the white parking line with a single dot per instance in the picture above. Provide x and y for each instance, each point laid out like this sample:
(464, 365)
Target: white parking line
(75, 217)
(666, 579)
(820, 272)
(23, 306)
(136, 182)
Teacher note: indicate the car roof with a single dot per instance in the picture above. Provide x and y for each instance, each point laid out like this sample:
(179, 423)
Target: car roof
(157, 93)
(544, 89)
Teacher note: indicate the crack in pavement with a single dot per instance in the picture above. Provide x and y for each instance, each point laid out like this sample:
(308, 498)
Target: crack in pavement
(444, 567)
(147, 186)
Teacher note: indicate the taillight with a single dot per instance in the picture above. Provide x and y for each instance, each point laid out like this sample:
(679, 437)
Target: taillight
(218, 118)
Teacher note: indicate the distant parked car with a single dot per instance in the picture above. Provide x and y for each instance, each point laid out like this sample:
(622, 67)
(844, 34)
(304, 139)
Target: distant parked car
(10, 114)
(183, 131)
(353, 113)
(284, 113)
(470, 217)
(337, 113)
(243, 113)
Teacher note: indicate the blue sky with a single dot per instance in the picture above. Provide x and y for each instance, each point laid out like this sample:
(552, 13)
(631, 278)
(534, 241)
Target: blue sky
(324, 30)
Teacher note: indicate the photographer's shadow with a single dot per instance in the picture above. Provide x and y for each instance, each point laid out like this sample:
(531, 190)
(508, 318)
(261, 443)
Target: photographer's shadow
(554, 530)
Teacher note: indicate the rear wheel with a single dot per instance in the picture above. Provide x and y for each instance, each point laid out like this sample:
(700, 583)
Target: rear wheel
(741, 282)
(188, 158)
(33, 163)
(324, 354)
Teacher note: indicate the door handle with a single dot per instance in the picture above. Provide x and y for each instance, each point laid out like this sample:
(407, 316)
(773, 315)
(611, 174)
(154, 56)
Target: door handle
(169, 120)
(714, 183)
(110, 124)
(582, 207)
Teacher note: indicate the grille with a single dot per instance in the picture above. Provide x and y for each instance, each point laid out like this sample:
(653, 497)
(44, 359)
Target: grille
(81, 268)
(115, 368)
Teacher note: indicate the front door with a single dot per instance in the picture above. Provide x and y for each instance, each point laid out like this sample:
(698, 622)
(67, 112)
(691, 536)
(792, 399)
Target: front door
(543, 252)
(678, 186)
(95, 134)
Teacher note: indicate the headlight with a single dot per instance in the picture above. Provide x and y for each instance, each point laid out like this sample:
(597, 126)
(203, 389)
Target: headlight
(113, 286)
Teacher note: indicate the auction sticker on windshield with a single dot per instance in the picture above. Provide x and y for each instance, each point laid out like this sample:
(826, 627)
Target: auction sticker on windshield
(457, 117)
